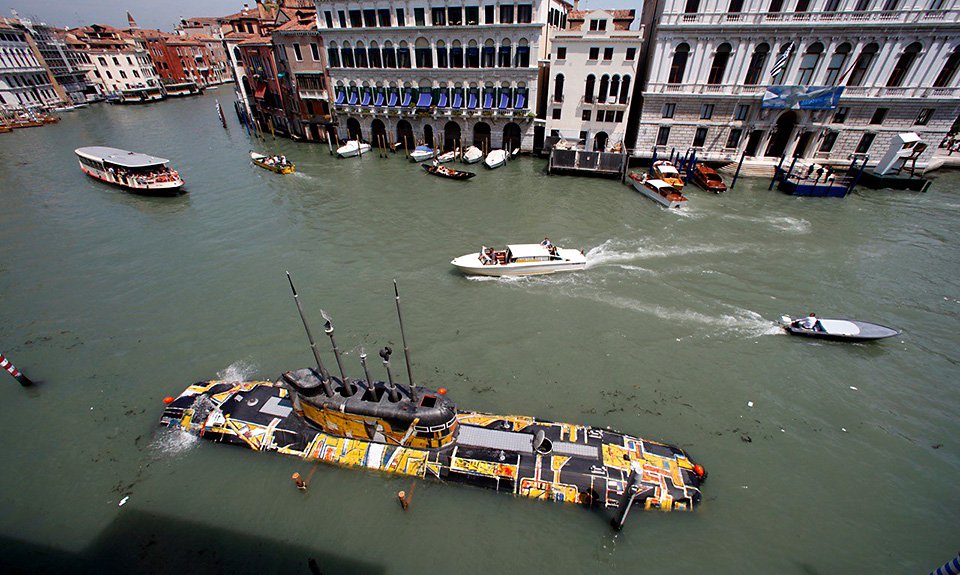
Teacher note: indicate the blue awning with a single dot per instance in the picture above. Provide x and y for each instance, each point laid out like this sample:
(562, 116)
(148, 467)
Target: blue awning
(393, 99)
(407, 96)
(488, 100)
(472, 101)
(340, 97)
(521, 100)
(378, 101)
(443, 100)
(353, 98)
(365, 100)
(504, 101)
(424, 100)
(457, 100)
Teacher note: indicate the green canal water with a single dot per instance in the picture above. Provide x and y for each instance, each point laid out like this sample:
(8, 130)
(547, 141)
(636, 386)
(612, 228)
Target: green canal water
(822, 458)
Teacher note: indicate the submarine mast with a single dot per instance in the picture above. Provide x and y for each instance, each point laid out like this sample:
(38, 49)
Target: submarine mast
(324, 376)
(406, 350)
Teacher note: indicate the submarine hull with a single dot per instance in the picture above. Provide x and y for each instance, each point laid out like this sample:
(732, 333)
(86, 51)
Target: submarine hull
(566, 463)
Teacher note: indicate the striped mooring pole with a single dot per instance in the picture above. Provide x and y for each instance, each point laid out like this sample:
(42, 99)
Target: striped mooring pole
(5, 364)
(951, 567)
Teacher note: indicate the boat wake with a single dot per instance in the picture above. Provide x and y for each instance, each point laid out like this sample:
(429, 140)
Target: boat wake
(783, 223)
(170, 441)
(618, 252)
(238, 371)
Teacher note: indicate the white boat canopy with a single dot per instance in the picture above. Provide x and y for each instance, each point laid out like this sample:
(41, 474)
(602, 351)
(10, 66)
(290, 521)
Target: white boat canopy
(667, 170)
(523, 251)
(661, 185)
(119, 157)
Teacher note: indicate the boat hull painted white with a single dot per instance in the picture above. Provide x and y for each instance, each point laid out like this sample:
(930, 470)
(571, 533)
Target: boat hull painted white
(351, 150)
(495, 159)
(472, 155)
(470, 264)
(655, 196)
(420, 156)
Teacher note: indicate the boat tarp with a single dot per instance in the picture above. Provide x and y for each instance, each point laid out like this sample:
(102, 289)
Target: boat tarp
(442, 103)
(119, 157)
(521, 101)
(528, 251)
(393, 99)
(504, 101)
(424, 100)
(423, 149)
(406, 99)
(457, 100)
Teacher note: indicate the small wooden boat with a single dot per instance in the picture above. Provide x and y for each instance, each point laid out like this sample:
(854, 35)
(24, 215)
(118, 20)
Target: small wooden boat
(130, 170)
(353, 148)
(708, 179)
(446, 157)
(4, 129)
(495, 159)
(521, 260)
(422, 154)
(838, 329)
(445, 172)
(664, 170)
(472, 155)
(657, 190)
(268, 163)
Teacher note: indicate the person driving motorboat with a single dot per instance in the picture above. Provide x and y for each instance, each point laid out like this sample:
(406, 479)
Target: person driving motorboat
(810, 322)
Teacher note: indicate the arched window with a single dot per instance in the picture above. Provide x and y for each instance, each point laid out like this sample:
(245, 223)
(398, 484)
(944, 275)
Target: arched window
(333, 55)
(442, 61)
(347, 55)
(679, 65)
(503, 57)
(863, 63)
(757, 62)
(456, 55)
(423, 53)
(945, 77)
(588, 89)
(403, 55)
(836, 63)
(904, 64)
(473, 54)
(373, 54)
(719, 67)
(522, 57)
(809, 62)
(625, 90)
(360, 55)
(782, 63)
(558, 88)
(604, 86)
(389, 55)
(614, 89)
(488, 58)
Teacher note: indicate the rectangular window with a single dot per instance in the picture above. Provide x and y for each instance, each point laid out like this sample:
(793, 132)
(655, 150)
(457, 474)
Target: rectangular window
(455, 16)
(924, 117)
(619, 116)
(700, 138)
(598, 24)
(608, 53)
(631, 54)
(741, 113)
(342, 16)
(583, 136)
(562, 53)
(115, 61)
(594, 54)
(668, 110)
(315, 51)
(296, 53)
(840, 116)
(401, 18)
(123, 74)
(524, 13)
(488, 14)
(437, 15)
(383, 16)
(356, 18)
(733, 140)
(370, 18)
(865, 143)
(506, 13)
(706, 111)
(829, 139)
(328, 16)
(556, 113)
(663, 135)
(472, 15)
(879, 115)
(419, 18)
(586, 116)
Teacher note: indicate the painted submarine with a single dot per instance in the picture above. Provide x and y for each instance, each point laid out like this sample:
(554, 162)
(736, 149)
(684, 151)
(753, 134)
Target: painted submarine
(413, 430)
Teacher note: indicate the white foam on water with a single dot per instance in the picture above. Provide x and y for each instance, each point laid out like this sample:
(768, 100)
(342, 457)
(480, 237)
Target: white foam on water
(169, 441)
(238, 371)
(616, 251)
(783, 223)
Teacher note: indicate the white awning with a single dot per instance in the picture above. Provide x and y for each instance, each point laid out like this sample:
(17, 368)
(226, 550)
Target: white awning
(528, 251)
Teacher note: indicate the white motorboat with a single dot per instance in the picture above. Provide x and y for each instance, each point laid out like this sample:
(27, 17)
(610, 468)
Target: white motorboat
(446, 157)
(472, 155)
(353, 148)
(130, 170)
(521, 260)
(658, 191)
(422, 154)
(495, 159)
(837, 329)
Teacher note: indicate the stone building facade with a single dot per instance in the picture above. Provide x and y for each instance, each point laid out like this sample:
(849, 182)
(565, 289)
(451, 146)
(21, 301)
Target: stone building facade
(301, 65)
(24, 81)
(443, 73)
(840, 77)
(117, 61)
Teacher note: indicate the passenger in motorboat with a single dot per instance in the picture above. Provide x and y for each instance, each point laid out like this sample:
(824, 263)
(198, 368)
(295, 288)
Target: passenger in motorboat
(810, 322)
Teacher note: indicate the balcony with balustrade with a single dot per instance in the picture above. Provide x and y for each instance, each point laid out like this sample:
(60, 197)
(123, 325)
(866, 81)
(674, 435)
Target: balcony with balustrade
(846, 18)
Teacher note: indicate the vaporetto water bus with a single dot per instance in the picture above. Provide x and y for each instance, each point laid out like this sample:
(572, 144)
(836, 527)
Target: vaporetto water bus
(130, 170)
(418, 431)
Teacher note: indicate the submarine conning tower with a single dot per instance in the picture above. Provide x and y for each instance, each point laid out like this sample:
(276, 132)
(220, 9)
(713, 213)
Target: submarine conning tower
(361, 410)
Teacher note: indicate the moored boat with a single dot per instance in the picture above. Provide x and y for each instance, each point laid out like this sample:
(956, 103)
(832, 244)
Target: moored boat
(495, 159)
(445, 172)
(352, 149)
(664, 170)
(836, 328)
(657, 190)
(418, 431)
(422, 154)
(471, 155)
(277, 164)
(446, 157)
(133, 171)
(708, 179)
(521, 260)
